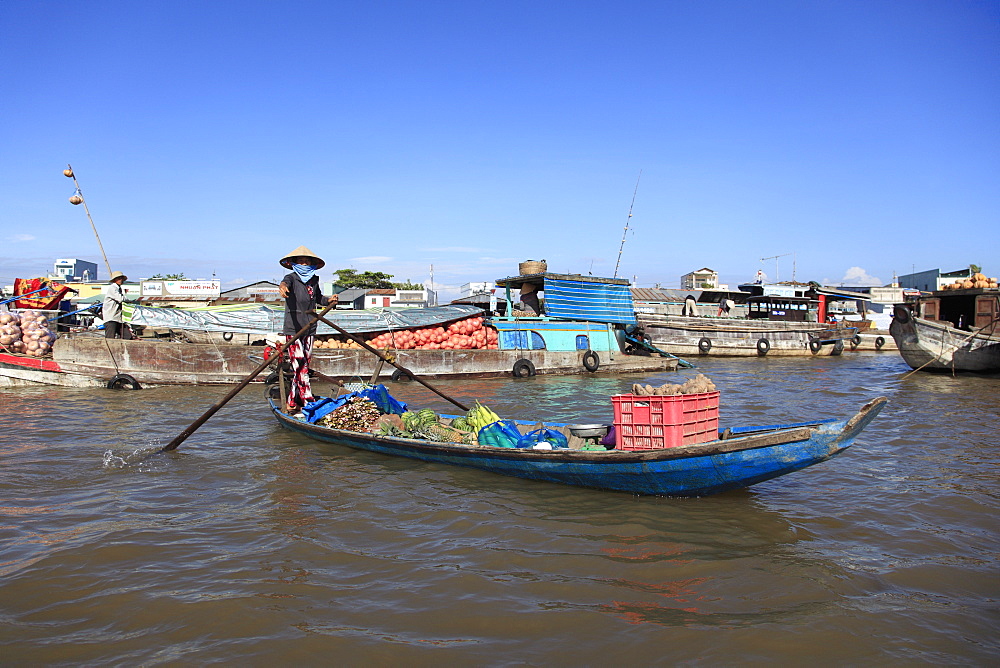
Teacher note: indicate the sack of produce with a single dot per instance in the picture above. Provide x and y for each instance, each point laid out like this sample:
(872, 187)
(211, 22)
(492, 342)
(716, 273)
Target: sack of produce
(543, 439)
(500, 434)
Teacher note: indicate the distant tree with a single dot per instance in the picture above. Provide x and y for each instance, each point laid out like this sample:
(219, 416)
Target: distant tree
(408, 285)
(707, 285)
(350, 278)
(975, 269)
(814, 284)
(169, 277)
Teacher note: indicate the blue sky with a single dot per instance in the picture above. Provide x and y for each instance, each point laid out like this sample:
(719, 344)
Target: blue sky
(859, 138)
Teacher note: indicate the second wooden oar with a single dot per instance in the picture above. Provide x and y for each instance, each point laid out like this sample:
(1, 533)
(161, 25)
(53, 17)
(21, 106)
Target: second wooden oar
(181, 437)
(377, 353)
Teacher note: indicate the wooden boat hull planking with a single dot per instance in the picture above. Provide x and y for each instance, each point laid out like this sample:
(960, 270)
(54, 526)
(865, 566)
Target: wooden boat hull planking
(153, 362)
(684, 336)
(934, 346)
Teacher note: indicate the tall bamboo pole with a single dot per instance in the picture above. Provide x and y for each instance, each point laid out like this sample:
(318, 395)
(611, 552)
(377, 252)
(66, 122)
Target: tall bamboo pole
(70, 173)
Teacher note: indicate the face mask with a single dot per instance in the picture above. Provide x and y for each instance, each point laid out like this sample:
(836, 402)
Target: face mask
(304, 271)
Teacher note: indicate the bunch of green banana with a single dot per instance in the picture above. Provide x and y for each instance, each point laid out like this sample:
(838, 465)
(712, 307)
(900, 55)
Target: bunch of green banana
(479, 416)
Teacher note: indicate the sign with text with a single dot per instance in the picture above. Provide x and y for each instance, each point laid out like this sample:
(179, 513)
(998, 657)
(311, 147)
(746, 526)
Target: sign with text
(181, 288)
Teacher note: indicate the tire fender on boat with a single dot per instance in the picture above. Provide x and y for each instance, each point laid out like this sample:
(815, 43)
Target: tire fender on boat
(401, 376)
(763, 346)
(123, 381)
(856, 341)
(838, 347)
(227, 336)
(879, 342)
(815, 345)
(704, 345)
(523, 368)
(591, 361)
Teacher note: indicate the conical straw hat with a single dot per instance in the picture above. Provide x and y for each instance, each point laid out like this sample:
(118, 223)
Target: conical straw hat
(302, 251)
(117, 274)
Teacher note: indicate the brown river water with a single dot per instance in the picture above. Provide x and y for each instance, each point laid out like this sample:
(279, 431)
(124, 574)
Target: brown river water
(251, 545)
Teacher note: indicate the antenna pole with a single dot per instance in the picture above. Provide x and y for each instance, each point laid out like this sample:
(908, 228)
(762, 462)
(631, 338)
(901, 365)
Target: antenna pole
(627, 220)
(93, 227)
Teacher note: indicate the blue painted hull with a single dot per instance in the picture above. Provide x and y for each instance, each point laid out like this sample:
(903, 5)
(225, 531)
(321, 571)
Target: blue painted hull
(750, 456)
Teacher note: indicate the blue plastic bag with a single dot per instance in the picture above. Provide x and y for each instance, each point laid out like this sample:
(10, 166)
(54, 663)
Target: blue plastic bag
(385, 402)
(500, 434)
(314, 410)
(543, 436)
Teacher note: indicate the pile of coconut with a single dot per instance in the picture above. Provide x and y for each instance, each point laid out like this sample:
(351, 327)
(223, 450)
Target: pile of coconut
(974, 281)
(27, 332)
(700, 384)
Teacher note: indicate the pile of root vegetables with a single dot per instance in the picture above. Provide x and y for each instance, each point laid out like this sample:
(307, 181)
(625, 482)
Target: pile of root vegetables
(467, 334)
(977, 280)
(700, 384)
(27, 333)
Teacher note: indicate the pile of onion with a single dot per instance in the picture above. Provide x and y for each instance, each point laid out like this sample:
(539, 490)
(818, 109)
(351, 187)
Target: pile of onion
(26, 333)
(467, 334)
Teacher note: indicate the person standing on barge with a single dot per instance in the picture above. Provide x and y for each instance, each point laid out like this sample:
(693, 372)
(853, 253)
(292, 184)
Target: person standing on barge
(301, 292)
(111, 312)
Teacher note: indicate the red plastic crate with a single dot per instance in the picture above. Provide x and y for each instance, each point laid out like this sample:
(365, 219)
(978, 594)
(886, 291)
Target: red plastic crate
(652, 422)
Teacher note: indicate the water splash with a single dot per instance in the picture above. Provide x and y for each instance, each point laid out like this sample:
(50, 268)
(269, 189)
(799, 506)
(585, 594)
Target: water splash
(134, 459)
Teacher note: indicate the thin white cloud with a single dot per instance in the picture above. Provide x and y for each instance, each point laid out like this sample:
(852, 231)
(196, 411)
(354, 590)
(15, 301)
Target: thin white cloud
(21, 237)
(858, 276)
(454, 249)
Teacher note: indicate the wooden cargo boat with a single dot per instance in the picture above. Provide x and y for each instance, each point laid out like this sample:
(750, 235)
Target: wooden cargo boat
(581, 332)
(91, 360)
(773, 326)
(950, 330)
(741, 457)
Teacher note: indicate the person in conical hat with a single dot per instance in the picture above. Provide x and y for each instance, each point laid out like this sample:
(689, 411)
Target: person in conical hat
(111, 312)
(298, 255)
(301, 291)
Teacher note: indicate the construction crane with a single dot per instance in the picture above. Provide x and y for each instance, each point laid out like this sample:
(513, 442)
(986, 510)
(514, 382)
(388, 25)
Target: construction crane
(775, 258)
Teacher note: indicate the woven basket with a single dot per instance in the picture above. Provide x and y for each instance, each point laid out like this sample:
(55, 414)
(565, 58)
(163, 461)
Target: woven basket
(531, 267)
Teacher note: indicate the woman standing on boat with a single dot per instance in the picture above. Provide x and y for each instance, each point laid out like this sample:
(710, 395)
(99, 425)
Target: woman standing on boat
(111, 312)
(300, 290)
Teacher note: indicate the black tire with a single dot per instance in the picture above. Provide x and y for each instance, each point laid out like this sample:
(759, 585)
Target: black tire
(123, 381)
(879, 342)
(591, 361)
(763, 347)
(227, 336)
(901, 314)
(704, 345)
(400, 376)
(272, 378)
(523, 368)
(838, 347)
(815, 345)
(856, 341)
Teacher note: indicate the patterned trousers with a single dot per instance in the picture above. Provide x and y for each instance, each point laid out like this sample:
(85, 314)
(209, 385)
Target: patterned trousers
(299, 354)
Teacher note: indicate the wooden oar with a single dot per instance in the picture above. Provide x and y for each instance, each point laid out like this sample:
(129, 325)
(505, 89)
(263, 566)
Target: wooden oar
(172, 445)
(391, 361)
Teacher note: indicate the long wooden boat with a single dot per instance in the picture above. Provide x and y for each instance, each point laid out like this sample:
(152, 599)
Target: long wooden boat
(739, 458)
(951, 330)
(91, 360)
(689, 336)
